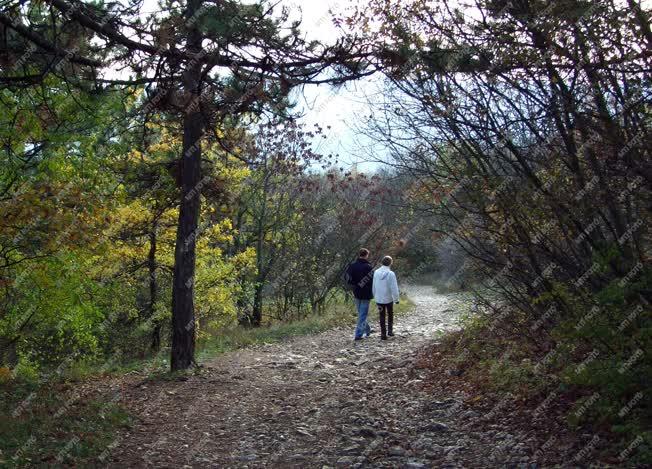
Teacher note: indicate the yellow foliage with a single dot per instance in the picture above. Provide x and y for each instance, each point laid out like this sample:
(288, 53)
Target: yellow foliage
(5, 375)
(135, 155)
(216, 284)
(162, 147)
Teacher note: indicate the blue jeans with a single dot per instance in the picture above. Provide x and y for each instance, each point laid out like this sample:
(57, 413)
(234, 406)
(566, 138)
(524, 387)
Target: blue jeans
(362, 327)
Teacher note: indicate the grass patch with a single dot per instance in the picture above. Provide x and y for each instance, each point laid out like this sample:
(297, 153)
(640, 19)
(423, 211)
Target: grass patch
(49, 424)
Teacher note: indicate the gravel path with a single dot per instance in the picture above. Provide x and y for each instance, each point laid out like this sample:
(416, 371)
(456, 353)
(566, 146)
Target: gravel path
(315, 401)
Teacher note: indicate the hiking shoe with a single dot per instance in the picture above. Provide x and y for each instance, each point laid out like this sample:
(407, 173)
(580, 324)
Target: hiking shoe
(391, 334)
(383, 337)
(357, 338)
(371, 331)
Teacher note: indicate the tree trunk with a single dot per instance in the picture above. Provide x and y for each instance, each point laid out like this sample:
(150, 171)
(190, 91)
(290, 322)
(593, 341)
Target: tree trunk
(8, 352)
(153, 290)
(183, 309)
(257, 313)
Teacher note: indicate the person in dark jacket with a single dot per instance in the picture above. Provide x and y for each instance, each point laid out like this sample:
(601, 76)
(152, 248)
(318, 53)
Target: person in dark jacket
(360, 276)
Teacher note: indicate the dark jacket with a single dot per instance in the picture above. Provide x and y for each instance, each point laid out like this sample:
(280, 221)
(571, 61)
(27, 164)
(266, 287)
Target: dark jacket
(360, 276)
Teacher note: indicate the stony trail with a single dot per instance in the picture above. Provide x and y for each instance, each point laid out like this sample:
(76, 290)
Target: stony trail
(316, 401)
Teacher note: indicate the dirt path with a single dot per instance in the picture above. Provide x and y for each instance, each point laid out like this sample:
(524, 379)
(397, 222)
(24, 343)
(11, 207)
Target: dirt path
(314, 401)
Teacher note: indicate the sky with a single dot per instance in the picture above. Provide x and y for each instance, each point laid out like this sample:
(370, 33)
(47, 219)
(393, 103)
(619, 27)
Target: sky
(340, 108)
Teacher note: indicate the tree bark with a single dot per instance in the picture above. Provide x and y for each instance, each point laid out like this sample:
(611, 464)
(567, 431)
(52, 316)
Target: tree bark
(8, 352)
(153, 290)
(257, 313)
(183, 308)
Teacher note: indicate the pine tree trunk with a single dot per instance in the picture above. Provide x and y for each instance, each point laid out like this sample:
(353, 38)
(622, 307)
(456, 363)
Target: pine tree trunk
(183, 309)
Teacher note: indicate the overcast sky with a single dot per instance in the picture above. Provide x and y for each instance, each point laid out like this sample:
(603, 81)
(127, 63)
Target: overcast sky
(340, 108)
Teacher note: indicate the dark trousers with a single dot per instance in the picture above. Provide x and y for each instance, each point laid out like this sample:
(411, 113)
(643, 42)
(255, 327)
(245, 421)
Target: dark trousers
(389, 310)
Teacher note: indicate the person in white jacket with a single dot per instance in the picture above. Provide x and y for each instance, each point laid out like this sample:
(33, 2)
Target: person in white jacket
(385, 290)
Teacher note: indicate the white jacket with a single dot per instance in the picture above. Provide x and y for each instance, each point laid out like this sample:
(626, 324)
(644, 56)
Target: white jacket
(385, 287)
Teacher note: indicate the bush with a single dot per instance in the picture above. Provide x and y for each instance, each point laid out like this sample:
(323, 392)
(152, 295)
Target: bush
(27, 370)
